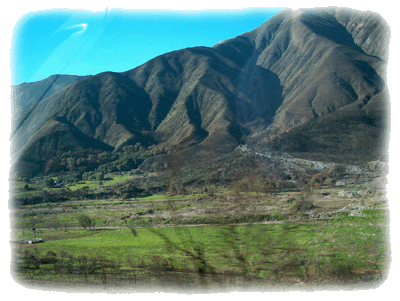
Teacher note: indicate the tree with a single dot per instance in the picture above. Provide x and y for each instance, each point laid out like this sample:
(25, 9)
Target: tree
(129, 191)
(85, 221)
(54, 223)
(50, 182)
(71, 163)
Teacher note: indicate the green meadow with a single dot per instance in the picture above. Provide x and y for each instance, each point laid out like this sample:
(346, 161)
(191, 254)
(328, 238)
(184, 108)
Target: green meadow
(338, 249)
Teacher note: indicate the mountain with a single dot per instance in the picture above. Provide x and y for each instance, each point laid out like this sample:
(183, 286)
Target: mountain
(332, 66)
(310, 83)
(27, 94)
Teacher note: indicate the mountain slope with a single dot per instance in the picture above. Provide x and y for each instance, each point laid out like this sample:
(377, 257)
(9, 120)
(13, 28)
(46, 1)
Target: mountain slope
(26, 95)
(295, 84)
(328, 71)
(320, 67)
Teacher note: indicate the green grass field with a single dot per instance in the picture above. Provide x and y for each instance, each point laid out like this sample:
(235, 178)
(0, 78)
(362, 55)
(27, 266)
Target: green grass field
(312, 237)
(95, 183)
(338, 249)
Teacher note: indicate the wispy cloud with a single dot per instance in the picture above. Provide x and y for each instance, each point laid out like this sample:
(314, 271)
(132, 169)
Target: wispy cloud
(83, 27)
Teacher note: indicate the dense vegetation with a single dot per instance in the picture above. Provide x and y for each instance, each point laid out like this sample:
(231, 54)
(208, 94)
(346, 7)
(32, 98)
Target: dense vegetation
(94, 161)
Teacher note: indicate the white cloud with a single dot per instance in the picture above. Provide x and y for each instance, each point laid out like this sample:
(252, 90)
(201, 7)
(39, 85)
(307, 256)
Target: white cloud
(83, 27)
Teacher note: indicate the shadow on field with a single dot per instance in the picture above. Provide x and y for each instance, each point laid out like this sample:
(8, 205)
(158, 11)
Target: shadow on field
(246, 257)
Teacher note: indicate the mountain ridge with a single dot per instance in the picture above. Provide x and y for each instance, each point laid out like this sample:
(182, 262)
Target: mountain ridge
(260, 88)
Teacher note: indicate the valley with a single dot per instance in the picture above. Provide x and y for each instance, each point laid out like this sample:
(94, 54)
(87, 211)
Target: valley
(208, 238)
(246, 241)
(259, 163)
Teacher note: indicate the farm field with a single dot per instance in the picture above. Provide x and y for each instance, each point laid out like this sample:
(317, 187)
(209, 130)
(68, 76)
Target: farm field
(324, 236)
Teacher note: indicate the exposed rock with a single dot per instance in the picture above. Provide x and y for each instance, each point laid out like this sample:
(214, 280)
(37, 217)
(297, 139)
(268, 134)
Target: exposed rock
(348, 194)
(377, 167)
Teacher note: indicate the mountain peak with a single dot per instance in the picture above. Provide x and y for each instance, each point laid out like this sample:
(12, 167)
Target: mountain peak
(282, 85)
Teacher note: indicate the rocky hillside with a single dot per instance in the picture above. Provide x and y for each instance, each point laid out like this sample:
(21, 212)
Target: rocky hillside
(310, 83)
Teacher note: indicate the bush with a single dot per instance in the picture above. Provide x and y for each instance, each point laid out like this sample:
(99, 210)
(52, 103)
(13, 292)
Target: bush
(85, 221)
(302, 205)
(317, 180)
(343, 272)
(329, 182)
(50, 182)
(129, 191)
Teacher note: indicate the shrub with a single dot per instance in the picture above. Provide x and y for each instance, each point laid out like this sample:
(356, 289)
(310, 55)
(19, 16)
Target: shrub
(50, 182)
(129, 191)
(302, 205)
(328, 182)
(355, 178)
(342, 271)
(316, 180)
(85, 221)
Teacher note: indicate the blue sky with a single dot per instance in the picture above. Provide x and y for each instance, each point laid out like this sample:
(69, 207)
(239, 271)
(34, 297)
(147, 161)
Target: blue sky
(83, 42)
